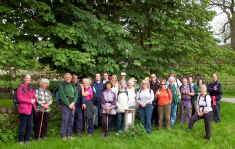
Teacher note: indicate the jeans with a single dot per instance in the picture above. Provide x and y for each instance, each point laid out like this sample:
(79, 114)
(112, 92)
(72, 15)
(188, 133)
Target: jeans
(145, 117)
(97, 115)
(120, 121)
(216, 110)
(25, 127)
(164, 113)
(67, 122)
(173, 112)
(79, 119)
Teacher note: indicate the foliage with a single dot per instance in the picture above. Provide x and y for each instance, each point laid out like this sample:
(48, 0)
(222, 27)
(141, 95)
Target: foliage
(84, 37)
(133, 132)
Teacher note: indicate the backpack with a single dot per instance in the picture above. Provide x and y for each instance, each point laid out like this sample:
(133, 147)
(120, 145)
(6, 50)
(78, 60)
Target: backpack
(212, 102)
(126, 92)
(56, 93)
(15, 99)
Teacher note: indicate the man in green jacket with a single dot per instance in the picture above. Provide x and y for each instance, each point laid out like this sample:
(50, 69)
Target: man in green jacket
(69, 94)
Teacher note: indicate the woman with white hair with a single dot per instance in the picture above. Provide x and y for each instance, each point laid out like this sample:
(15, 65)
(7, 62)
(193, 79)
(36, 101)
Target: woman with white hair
(145, 97)
(44, 101)
(204, 111)
(131, 95)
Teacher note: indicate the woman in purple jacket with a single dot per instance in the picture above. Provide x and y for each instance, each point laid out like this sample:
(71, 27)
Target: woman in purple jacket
(27, 105)
(108, 105)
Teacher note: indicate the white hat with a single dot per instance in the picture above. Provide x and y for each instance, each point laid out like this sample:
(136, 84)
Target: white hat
(123, 74)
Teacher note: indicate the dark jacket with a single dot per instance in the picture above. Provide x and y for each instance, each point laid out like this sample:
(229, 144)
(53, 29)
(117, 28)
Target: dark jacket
(81, 99)
(218, 92)
(154, 86)
(98, 88)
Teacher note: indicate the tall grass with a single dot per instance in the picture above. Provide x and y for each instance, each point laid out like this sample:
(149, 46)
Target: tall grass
(179, 137)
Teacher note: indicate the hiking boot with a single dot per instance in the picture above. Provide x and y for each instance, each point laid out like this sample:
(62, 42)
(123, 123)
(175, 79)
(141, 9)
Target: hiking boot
(21, 142)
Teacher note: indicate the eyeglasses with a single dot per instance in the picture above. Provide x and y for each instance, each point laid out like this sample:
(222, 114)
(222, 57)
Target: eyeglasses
(163, 84)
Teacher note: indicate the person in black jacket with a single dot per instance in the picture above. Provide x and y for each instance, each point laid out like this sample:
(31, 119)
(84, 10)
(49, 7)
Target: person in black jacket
(154, 85)
(79, 106)
(215, 90)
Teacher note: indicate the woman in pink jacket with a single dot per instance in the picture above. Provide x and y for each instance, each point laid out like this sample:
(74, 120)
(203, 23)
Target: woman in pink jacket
(27, 105)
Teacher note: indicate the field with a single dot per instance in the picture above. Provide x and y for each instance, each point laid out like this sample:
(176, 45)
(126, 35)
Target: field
(179, 137)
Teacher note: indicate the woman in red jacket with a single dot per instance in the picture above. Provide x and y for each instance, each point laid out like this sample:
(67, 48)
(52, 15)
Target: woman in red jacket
(27, 105)
(164, 96)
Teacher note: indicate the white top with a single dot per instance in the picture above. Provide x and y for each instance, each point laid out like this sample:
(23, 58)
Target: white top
(177, 83)
(115, 89)
(132, 97)
(122, 101)
(145, 96)
(204, 103)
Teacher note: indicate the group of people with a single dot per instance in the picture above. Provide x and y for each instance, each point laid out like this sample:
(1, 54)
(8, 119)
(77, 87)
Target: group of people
(89, 104)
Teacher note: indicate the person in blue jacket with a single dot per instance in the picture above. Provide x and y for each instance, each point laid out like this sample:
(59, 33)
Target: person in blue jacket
(215, 91)
(79, 107)
(98, 88)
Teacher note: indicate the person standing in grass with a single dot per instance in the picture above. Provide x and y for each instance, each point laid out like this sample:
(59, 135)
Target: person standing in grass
(145, 97)
(79, 107)
(204, 111)
(215, 90)
(122, 105)
(69, 94)
(175, 100)
(108, 105)
(131, 95)
(155, 85)
(186, 95)
(44, 100)
(164, 96)
(98, 88)
(191, 88)
(27, 106)
(87, 93)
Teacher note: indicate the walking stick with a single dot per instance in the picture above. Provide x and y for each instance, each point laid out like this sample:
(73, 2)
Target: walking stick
(107, 128)
(85, 120)
(41, 125)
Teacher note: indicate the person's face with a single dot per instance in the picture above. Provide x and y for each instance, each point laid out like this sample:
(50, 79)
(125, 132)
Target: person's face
(185, 81)
(123, 84)
(130, 85)
(190, 80)
(106, 76)
(203, 90)
(86, 84)
(153, 77)
(145, 85)
(97, 77)
(123, 77)
(171, 81)
(114, 78)
(163, 84)
(27, 80)
(200, 82)
(172, 75)
(75, 79)
(108, 86)
(44, 85)
(215, 78)
(68, 79)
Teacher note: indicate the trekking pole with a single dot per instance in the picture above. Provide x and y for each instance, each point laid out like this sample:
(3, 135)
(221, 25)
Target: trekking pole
(41, 125)
(107, 118)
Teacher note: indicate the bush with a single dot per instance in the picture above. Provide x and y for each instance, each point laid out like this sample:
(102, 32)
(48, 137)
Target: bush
(133, 132)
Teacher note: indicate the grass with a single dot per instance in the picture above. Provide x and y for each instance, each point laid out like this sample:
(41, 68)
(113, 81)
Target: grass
(179, 137)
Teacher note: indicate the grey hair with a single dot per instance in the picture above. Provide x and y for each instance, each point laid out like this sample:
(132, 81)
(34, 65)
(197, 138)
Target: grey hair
(68, 74)
(44, 80)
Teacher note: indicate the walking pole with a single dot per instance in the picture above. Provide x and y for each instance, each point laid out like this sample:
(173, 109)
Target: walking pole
(107, 128)
(41, 125)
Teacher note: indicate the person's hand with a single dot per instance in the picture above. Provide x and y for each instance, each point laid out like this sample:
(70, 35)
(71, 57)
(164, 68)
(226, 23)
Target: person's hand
(107, 110)
(215, 88)
(71, 106)
(200, 114)
(83, 106)
(45, 106)
(81, 85)
(158, 92)
(143, 105)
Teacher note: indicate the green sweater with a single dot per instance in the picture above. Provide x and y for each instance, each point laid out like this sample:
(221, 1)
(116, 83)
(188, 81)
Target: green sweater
(196, 91)
(174, 93)
(68, 90)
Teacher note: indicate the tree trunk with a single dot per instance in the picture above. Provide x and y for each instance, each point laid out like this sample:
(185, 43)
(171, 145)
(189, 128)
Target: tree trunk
(233, 31)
